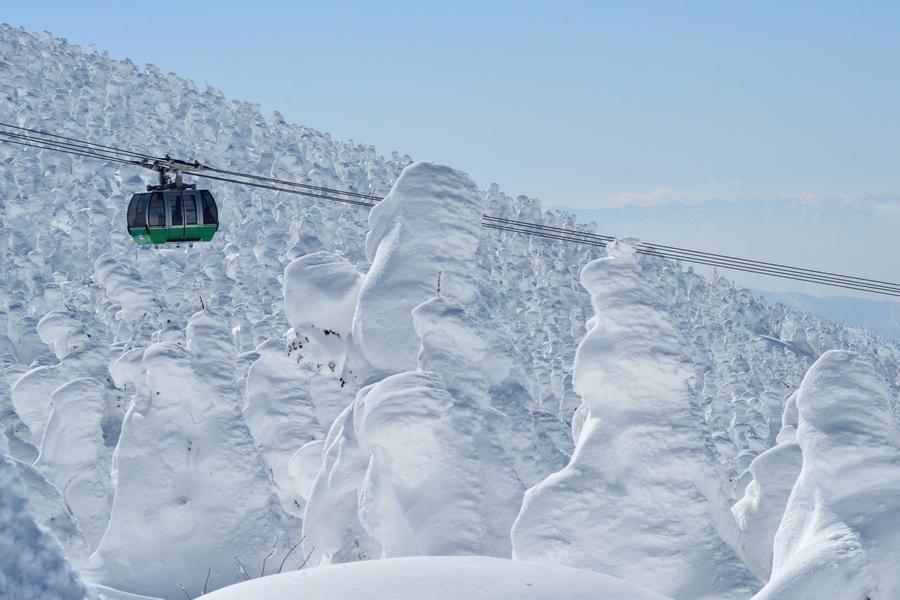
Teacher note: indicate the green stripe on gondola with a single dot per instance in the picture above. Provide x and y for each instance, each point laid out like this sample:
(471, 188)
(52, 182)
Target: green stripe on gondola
(174, 235)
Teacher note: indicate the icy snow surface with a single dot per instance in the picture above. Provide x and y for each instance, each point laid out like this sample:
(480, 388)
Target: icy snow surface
(391, 383)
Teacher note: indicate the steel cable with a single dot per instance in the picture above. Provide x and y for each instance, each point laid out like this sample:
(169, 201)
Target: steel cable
(48, 141)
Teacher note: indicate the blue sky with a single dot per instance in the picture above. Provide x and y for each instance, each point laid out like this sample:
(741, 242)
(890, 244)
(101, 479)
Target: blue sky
(582, 104)
(579, 103)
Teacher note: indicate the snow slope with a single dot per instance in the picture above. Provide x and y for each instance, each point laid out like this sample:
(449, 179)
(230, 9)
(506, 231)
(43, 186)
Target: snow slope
(388, 383)
(435, 578)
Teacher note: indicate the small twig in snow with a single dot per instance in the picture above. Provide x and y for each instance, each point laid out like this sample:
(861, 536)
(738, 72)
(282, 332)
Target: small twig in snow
(306, 560)
(181, 587)
(262, 572)
(294, 547)
(243, 569)
(206, 583)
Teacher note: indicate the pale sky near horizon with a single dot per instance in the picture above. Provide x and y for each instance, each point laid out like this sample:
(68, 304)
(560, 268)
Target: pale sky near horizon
(581, 104)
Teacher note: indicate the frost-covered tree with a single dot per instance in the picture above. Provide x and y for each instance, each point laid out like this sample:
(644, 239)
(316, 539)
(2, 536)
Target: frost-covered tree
(641, 498)
(32, 564)
(840, 532)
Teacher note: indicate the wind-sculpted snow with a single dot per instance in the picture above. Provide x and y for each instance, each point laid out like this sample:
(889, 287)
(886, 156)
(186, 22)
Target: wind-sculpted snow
(640, 498)
(79, 301)
(841, 526)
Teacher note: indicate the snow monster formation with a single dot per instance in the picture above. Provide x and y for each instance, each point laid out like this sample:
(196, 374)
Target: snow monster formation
(841, 525)
(422, 461)
(188, 477)
(640, 498)
(760, 511)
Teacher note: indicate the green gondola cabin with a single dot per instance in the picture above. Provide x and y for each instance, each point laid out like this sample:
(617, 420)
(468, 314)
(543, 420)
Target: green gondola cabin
(172, 216)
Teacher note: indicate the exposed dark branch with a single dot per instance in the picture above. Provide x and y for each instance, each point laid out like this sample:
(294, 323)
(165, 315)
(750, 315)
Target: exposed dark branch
(262, 572)
(294, 547)
(181, 587)
(243, 569)
(306, 560)
(206, 583)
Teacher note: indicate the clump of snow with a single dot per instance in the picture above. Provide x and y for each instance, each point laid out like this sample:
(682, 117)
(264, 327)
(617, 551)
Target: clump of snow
(281, 416)
(63, 332)
(32, 564)
(424, 233)
(840, 531)
(320, 289)
(73, 455)
(640, 498)
(320, 295)
(438, 578)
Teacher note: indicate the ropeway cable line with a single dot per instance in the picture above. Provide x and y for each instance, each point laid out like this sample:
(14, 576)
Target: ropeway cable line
(43, 140)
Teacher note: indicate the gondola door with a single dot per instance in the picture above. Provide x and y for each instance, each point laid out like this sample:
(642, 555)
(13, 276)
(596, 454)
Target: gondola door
(175, 202)
(191, 223)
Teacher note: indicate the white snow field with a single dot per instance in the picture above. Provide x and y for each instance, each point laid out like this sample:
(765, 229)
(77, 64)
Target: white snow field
(438, 578)
(397, 384)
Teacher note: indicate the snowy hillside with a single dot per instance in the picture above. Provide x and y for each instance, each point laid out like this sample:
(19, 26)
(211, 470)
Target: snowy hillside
(322, 384)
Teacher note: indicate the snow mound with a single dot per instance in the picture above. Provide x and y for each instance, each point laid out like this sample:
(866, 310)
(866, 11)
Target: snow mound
(438, 578)
(841, 526)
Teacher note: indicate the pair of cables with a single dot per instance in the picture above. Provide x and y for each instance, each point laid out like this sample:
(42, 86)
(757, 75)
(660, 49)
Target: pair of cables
(44, 140)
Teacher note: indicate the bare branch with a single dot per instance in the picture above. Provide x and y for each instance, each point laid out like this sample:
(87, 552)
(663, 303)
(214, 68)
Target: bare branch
(294, 547)
(181, 587)
(206, 583)
(243, 569)
(306, 560)
(262, 572)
